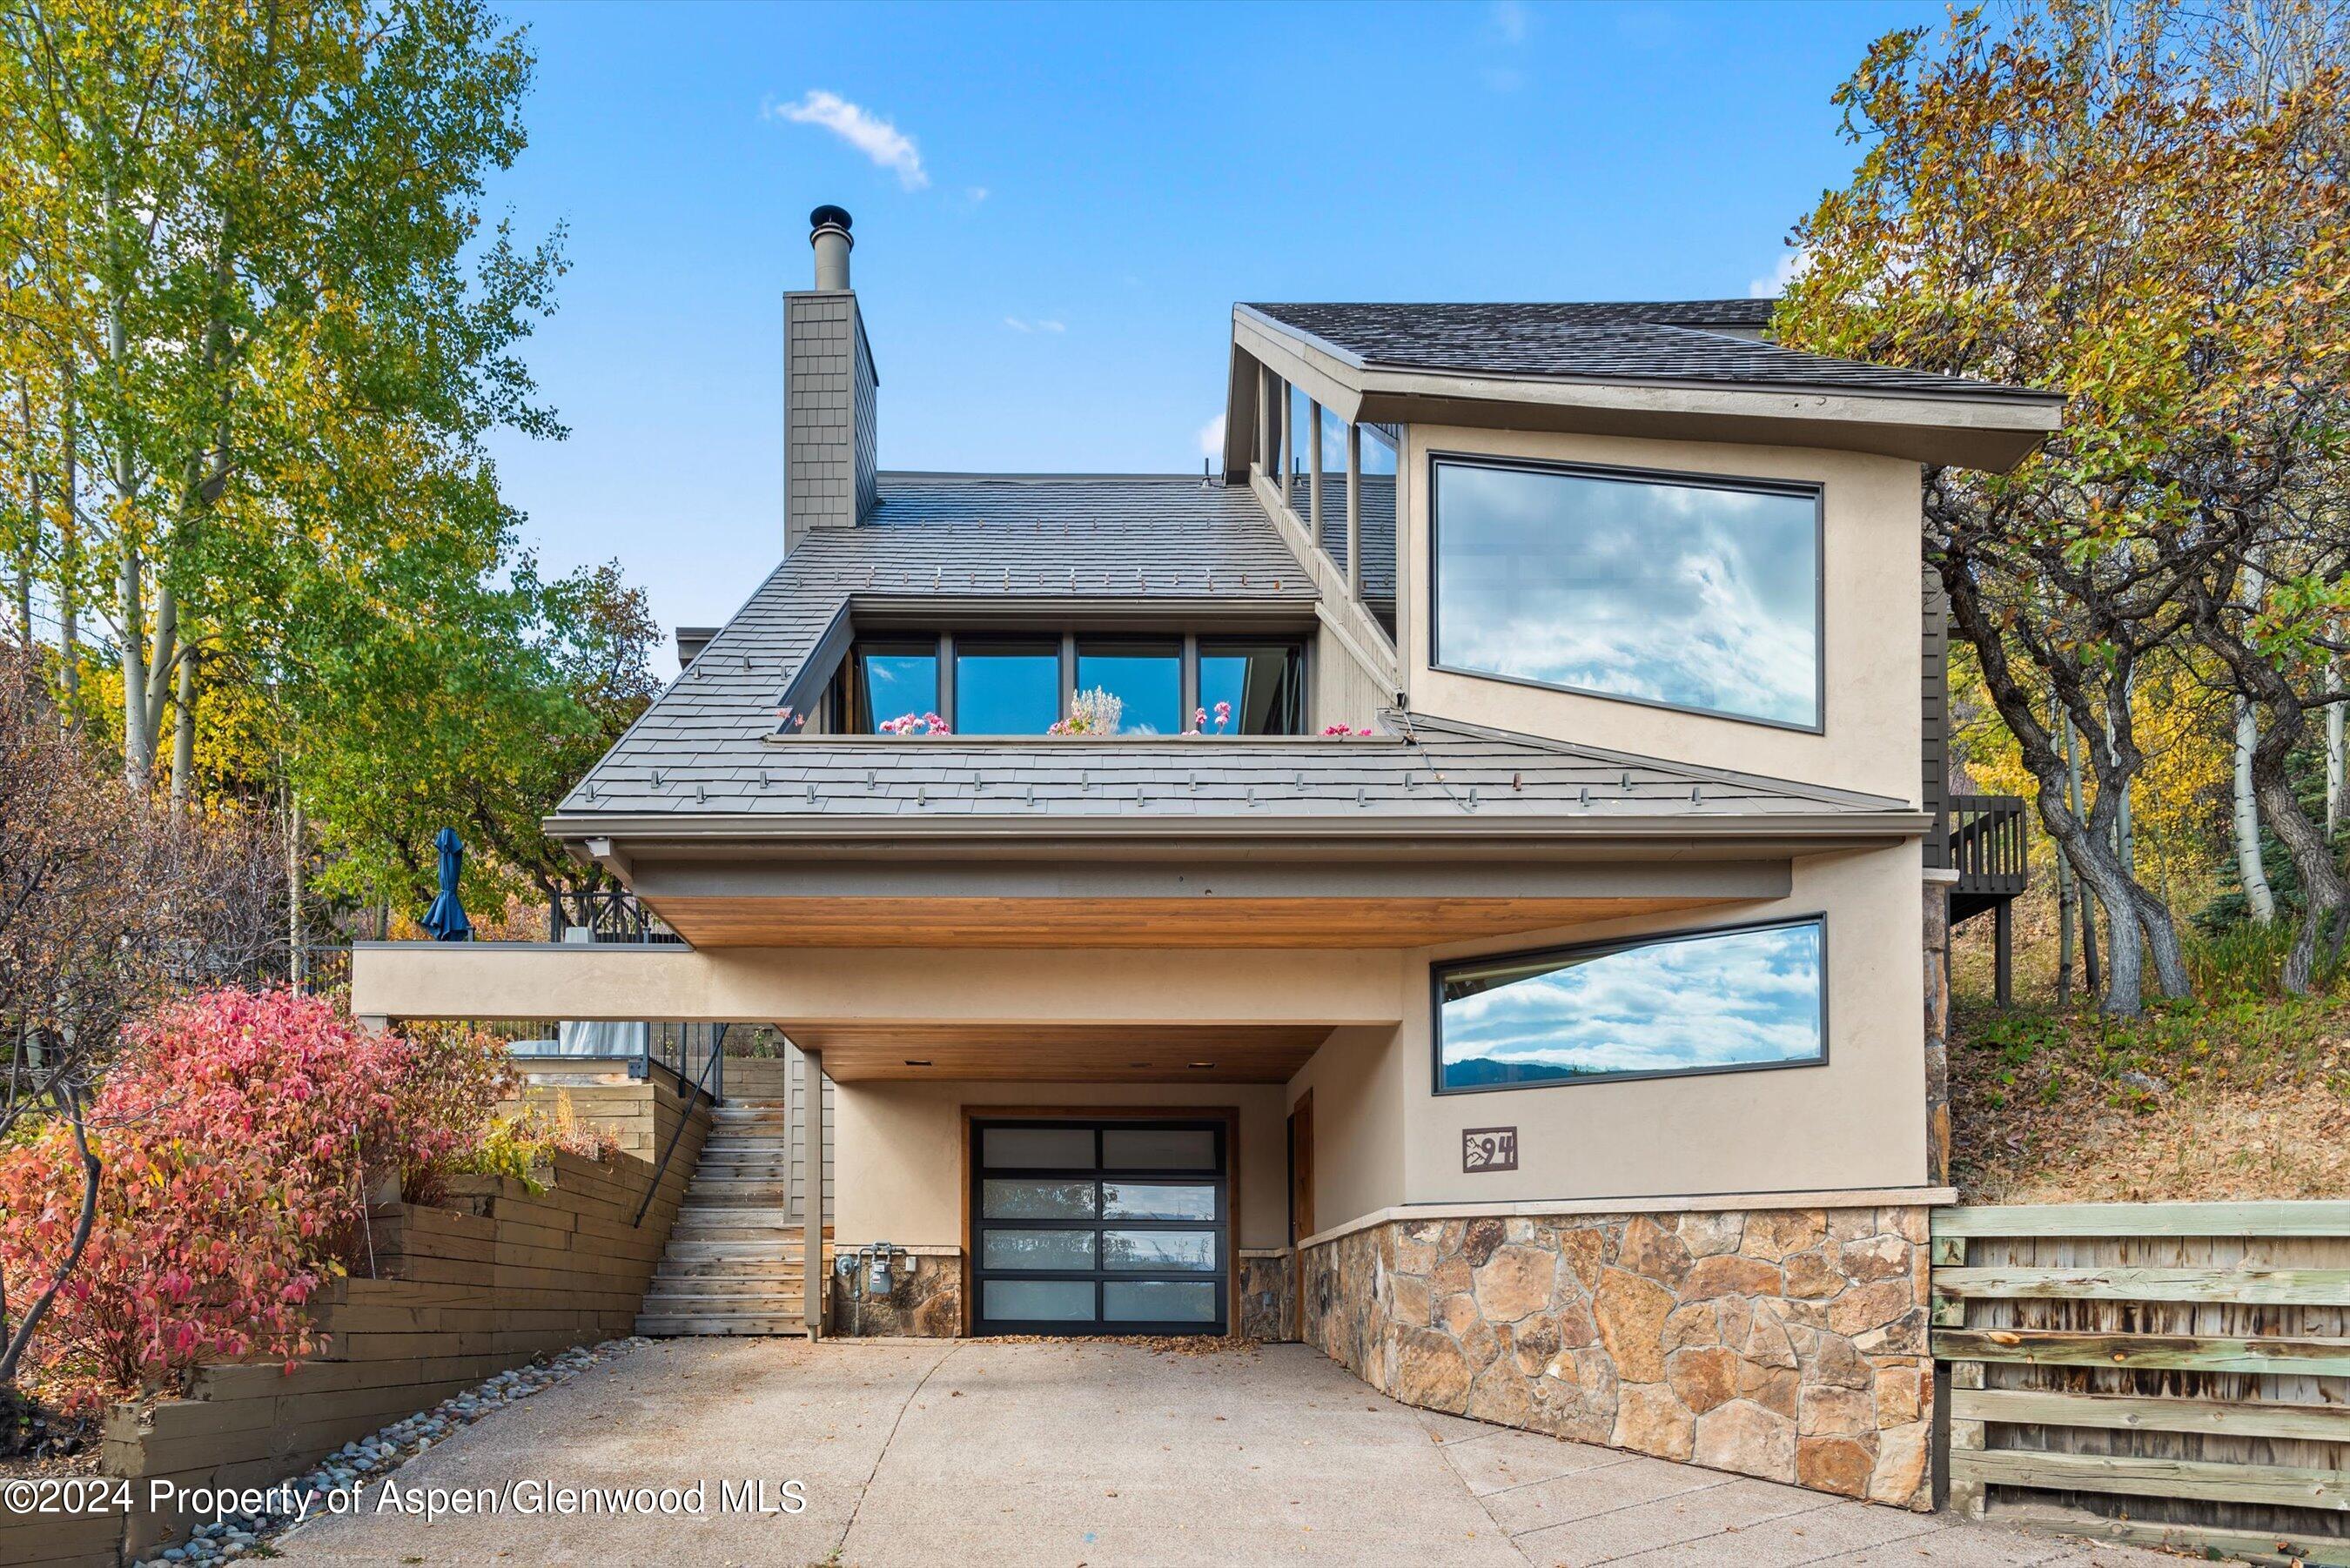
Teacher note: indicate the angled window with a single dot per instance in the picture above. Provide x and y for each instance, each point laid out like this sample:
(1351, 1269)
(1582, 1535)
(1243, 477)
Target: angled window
(1264, 682)
(1376, 497)
(1009, 686)
(1706, 1002)
(1145, 676)
(892, 677)
(1301, 437)
(1681, 592)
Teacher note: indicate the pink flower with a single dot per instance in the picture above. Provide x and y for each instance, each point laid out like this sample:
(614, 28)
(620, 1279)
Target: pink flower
(1199, 719)
(1223, 714)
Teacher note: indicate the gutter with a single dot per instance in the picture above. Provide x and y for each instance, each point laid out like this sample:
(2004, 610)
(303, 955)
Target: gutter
(1033, 832)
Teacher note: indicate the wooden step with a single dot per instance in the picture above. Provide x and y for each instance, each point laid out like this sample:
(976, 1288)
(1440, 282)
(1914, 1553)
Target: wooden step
(752, 1266)
(697, 1303)
(747, 1325)
(723, 1295)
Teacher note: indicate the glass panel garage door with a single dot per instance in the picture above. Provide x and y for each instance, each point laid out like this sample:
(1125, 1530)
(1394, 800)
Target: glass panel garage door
(1099, 1227)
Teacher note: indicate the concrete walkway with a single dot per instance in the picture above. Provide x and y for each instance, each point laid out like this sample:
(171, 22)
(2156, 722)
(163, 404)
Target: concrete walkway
(1063, 1454)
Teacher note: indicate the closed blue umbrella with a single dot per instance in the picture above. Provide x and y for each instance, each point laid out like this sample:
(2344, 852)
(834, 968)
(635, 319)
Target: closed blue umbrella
(446, 918)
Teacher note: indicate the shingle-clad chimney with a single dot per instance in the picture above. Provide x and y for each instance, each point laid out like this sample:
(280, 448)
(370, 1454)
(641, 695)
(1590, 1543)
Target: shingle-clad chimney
(828, 392)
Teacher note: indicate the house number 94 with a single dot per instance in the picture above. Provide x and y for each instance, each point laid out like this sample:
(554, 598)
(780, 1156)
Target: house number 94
(1489, 1148)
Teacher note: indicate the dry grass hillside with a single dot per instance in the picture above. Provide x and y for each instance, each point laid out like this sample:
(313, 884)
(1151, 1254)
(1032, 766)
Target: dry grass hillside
(2239, 1095)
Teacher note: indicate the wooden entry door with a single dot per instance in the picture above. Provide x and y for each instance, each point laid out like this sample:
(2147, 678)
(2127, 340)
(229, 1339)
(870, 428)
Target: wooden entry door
(1301, 1169)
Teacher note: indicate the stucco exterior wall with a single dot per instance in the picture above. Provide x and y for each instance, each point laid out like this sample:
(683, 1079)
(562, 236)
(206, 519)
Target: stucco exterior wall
(1872, 729)
(1358, 1080)
(899, 1152)
(1383, 1136)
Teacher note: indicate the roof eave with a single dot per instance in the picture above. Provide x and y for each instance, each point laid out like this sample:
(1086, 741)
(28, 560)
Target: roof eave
(1960, 428)
(749, 827)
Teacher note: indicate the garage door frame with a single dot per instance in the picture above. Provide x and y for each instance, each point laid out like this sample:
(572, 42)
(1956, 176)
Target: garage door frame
(974, 1116)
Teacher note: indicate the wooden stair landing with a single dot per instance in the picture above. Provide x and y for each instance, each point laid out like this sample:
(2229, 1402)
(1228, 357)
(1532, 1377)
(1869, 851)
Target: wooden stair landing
(733, 1265)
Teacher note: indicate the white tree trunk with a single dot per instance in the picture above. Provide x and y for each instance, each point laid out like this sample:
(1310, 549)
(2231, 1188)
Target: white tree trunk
(2250, 870)
(2334, 750)
(296, 949)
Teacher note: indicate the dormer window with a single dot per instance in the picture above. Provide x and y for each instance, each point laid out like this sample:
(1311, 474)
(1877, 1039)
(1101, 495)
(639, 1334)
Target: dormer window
(1006, 686)
(1016, 683)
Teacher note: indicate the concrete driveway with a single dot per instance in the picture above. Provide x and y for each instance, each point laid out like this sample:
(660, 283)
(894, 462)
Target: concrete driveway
(1071, 1453)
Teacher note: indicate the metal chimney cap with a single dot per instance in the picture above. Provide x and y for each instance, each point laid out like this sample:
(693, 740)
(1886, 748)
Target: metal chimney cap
(828, 217)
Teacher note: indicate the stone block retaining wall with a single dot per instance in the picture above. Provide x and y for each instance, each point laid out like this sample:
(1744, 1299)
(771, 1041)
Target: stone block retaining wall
(461, 1293)
(1785, 1344)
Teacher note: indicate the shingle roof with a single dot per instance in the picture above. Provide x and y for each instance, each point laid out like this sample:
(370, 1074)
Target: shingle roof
(1018, 538)
(1415, 770)
(1664, 341)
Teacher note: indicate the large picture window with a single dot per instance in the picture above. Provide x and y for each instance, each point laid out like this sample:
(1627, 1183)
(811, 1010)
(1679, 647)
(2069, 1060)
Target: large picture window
(1686, 593)
(1708, 1002)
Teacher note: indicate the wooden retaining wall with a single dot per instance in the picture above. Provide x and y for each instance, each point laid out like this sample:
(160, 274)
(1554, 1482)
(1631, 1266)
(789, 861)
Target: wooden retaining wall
(494, 1276)
(2170, 1374)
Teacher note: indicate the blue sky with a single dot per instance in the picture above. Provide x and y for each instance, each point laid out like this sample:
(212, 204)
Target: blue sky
(1056, 205)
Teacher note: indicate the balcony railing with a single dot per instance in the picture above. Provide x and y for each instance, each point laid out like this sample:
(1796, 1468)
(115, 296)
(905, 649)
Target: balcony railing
(608, 915)
(1986, 847)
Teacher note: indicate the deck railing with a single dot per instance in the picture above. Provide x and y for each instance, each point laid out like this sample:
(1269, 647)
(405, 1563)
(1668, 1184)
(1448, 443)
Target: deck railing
(606, 915)
(1988, 848)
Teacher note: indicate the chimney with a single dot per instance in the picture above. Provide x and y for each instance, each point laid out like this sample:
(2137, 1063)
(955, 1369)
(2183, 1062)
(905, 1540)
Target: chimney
(829, 233)
(830, 387)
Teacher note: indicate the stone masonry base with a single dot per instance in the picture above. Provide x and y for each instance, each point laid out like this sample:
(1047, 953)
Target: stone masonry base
(925, 1300)
(1786, 1344)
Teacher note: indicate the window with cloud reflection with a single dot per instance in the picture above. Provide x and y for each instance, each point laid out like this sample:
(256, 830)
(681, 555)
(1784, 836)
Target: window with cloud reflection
(1706, 1003)
(1689, 595)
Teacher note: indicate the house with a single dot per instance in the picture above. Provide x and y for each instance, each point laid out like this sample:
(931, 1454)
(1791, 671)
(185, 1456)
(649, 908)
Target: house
(1495, 940)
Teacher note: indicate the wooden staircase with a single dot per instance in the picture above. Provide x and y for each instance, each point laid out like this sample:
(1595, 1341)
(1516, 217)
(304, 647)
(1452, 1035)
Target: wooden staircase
(733, 1265)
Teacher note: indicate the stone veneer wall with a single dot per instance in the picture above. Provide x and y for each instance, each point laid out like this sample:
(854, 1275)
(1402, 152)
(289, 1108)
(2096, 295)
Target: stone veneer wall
(1786, 1344)
(925, 1302)
(1268, 1298)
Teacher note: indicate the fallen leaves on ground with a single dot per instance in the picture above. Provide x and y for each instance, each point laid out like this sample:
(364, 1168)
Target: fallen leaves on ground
(2246, 1098)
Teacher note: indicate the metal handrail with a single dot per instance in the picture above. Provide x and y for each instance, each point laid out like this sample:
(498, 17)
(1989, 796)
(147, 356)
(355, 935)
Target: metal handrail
(713, 1078)
(608, 915)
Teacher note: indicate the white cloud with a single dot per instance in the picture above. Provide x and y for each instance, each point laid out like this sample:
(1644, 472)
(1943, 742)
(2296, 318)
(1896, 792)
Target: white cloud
(1040, 324)
(1511, 21)
(1790, 268)
(1212, 438)
(976, 194)
(874, 136)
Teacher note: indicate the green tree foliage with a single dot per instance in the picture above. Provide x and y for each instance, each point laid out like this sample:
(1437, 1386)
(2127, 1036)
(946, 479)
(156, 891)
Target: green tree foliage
(2100, 200)
(253, 306)
(254, 325)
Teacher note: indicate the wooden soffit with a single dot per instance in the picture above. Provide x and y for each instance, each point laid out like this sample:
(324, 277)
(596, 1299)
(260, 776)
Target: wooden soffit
(864, 1052)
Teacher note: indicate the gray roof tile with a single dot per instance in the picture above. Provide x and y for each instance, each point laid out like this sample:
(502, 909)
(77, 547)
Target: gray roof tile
(1686, 340)
(1031, 539)
(1414, 768)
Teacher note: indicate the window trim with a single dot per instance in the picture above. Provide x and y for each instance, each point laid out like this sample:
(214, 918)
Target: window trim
(1208, 645)
(1189, 647)
(1812, 489)
(1437, 972)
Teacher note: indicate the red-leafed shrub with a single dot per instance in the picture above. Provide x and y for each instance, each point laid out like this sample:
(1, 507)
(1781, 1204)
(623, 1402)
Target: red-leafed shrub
(241, 1133)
